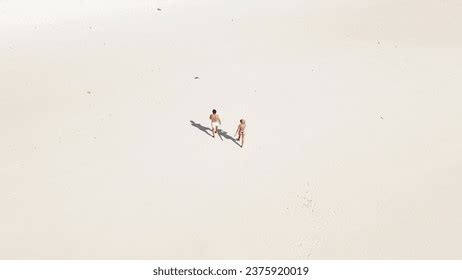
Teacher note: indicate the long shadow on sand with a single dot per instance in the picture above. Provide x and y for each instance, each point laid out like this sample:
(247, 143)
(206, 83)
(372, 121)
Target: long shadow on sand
(202, 128)
(221, 133)
(225, 134)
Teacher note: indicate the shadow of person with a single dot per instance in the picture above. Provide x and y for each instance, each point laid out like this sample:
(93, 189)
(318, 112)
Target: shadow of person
(219, 131)
(225, 135)
(201, 127)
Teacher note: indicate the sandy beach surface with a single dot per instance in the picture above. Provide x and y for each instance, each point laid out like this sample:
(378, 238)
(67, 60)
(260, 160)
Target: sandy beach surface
(354, 129)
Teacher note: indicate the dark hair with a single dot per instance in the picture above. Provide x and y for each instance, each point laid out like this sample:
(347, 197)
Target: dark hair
(214, 111)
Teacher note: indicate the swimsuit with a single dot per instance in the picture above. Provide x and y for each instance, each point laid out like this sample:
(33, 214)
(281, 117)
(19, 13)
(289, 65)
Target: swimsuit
(241, 130)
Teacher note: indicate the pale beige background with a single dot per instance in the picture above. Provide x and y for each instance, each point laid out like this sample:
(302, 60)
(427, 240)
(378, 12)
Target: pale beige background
(354, 145)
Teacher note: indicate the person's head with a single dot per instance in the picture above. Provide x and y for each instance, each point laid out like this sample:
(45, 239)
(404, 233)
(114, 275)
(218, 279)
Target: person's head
(242, 121)
(214, 111)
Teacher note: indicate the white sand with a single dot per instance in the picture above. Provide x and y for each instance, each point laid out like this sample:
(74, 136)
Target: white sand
(354, 141)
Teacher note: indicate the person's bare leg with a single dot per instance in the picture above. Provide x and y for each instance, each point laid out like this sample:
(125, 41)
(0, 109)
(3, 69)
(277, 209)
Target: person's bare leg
(242, 140)
(213, 132)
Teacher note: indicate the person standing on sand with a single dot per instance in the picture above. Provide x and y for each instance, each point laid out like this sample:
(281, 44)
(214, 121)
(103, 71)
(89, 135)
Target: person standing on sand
(241, 131)
(216, 122)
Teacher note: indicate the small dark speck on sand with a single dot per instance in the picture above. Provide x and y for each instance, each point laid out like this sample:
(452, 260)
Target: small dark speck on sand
(378, 42)
(196, 78)
(89, 92)
(159, 9)
(381, 117)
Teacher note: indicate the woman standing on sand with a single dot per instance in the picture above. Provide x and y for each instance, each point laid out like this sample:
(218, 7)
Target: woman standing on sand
(241, 131)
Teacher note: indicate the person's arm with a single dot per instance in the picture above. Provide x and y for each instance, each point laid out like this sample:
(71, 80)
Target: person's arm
(210, 116)
(237, 131)
(219, 120)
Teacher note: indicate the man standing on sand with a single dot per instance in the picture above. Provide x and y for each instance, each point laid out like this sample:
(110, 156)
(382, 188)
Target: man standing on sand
(216, 122)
